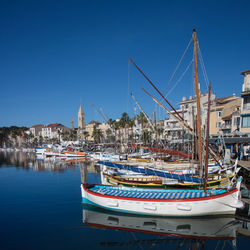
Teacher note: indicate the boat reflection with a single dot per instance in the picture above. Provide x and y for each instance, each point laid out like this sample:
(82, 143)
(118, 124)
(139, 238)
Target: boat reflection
(29, 160)
(210, 228)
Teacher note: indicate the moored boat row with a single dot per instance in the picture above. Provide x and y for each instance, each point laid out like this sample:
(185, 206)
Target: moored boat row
(219, 194)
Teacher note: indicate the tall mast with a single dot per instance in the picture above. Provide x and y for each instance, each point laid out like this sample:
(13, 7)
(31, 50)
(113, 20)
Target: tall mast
(208, 121)
(197, 99)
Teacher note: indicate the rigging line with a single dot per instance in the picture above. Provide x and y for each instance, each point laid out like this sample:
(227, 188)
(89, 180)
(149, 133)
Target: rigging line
(180, 78)
(203, 66)
(128, 85)
(202, 61)
(148, 119)
(156, 89)
(178, 65)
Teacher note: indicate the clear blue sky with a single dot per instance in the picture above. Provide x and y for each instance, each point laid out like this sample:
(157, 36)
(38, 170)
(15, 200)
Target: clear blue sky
(55, 55)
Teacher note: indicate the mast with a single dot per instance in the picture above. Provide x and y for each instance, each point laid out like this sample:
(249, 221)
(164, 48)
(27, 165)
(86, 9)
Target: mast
(208, 120)
(197, 99)
(183, 132)
(194, 136)
(169, 112)
(157, 90)
(156, 132)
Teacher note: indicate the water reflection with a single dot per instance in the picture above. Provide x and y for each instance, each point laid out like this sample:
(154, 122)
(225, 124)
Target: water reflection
(29, 160)
(190, 233)
(195, 229)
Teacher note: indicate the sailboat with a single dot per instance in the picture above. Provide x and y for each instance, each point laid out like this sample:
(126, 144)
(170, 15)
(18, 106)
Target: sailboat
(214, 181)
(168, 202)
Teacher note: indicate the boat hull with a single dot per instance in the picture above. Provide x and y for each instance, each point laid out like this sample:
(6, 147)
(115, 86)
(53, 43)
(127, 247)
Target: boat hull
(158, 183)
(225, 203)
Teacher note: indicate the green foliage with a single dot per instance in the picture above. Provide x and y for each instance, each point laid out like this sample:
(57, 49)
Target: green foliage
(8, 133)
(97, 134)
(146, 137)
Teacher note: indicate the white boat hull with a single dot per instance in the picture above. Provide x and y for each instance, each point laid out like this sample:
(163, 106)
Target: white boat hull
(214, 205)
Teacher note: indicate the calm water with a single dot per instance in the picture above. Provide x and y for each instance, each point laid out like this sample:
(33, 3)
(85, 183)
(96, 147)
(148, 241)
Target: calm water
(41, 209)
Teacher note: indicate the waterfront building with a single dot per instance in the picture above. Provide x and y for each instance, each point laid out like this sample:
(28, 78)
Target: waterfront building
(90, 129)
(106, 130)
(187, 107)
(245, 105)
(225, 115)
(54, 131)
(36, 130)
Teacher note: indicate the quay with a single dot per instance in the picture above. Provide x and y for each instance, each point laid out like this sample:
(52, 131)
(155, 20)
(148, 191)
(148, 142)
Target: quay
(244, 164)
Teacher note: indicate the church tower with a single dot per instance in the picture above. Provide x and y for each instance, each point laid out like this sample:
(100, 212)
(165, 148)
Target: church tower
(81, 119)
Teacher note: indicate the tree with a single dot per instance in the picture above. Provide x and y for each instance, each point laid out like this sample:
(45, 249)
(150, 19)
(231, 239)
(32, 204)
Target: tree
(97, 134)
(146, 137)
(3, 137)
(131, 124)
(86, 135)
(142, 120)
(8, 135)
(109, 134)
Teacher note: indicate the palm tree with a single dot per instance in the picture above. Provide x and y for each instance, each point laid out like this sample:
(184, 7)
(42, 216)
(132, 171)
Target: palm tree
(124, 124)
(124, 118)
(109, 134)
(86, 135)
(146, 137)
(110, 123)
(40, 140)
(142, 119)
(160, 132)
(98, 135)
(131, 124)
(116, 127)
(59, 135)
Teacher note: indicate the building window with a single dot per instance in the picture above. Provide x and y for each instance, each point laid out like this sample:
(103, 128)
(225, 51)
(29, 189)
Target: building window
(219, 113)
(218, 124)
(246, 103)
(228, 122)
(236, 121)
(245, 122)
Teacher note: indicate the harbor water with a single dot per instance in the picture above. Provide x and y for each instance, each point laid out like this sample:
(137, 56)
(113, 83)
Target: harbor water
(41, 209)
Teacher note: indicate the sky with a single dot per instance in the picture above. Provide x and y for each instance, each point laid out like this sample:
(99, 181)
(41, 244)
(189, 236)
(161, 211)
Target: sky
(56, 55)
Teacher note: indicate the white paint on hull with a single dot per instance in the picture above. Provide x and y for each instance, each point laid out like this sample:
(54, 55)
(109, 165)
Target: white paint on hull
(225, 204)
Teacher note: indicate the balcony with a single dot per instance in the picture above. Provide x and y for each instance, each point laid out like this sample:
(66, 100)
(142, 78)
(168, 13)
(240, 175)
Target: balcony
(173, 128)
(226, 126)
(246, 106)
(245, 91)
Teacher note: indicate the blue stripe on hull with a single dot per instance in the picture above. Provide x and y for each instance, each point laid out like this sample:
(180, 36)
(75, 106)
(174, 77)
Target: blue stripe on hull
(152, 194)
(146, 171)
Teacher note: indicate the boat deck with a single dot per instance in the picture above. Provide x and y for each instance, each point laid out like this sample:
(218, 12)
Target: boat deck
(153, 194)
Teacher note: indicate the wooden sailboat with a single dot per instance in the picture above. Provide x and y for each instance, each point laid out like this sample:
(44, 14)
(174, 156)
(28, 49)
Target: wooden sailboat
(214, 181)
(160, 202)
(167, 202)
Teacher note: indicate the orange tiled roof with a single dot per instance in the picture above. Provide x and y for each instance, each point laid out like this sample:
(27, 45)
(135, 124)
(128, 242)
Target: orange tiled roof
(38, 125)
